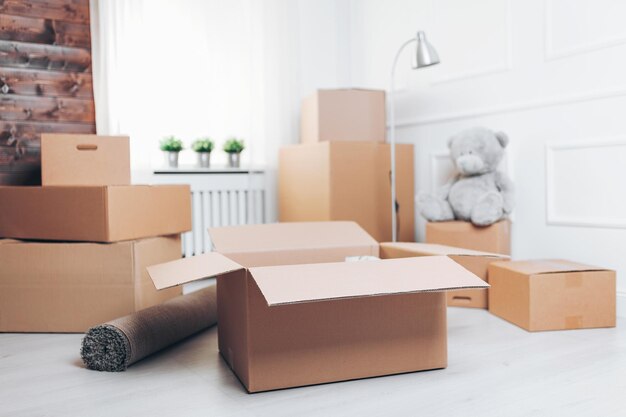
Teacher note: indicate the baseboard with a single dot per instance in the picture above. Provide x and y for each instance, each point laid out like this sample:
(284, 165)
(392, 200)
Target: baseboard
(621, 304)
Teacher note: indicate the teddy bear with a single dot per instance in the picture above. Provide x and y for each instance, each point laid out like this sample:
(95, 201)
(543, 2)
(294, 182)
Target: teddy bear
(479, 192)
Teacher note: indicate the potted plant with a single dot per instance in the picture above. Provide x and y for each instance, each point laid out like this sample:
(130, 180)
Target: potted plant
(171, 146)
(203, 148)
(233, 147)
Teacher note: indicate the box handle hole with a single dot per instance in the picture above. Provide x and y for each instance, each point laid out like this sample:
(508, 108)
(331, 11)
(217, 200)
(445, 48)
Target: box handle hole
(87, 147)
(462, 298)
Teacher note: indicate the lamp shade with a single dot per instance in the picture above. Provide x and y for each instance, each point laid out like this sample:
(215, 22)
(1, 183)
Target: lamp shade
(425, 54)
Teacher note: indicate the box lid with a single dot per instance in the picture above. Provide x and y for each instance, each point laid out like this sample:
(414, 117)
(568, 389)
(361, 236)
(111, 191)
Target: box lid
(288, 236)
(546, 266)
(436, 249)
(290, 284)
(181, 271)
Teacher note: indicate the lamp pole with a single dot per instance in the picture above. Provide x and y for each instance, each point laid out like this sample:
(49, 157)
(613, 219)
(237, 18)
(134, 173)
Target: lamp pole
(425, 56)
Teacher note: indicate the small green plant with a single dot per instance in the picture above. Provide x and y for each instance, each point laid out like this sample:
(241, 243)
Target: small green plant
(171, 144)
(234, 145)
(203, 145)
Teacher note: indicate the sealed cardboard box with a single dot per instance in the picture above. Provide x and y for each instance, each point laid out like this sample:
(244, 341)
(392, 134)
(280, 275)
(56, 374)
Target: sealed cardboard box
(343, 115)
(495, 238)
(347, 181)
(294, 325)
(94, 213)
(474, 261)
(69, 287)
(552, 294)
(82, 159)
(292, 243)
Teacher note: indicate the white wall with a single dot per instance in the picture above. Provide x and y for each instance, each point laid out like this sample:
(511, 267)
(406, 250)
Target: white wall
(548, 72)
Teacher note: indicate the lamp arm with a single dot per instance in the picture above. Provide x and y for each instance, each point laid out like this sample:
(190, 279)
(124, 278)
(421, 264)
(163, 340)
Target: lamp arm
(392, 139)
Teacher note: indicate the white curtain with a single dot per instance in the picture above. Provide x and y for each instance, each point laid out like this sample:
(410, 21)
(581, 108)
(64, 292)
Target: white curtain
(195, 68)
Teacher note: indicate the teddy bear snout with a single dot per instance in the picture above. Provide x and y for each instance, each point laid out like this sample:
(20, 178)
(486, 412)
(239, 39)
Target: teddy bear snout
(470, 164)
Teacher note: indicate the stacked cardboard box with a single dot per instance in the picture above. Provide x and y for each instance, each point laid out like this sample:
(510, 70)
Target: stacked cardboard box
(87, 237)
(341, 170)
(292, 312)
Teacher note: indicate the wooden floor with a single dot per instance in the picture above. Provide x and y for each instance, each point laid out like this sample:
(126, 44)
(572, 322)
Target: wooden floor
(495, 369)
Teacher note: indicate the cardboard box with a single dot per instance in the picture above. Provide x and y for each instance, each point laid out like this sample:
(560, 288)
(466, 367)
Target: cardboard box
(294, 325)
(344, 115)
(474, 261)
(552, 294)
(69, 287)
(347, 181)
(292, 243)
(84, 159)
(495, 238)
(94, 213)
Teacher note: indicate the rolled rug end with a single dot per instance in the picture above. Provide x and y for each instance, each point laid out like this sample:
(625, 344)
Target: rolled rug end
(105, 348)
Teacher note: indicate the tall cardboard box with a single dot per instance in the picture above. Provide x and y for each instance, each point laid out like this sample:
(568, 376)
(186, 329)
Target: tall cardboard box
(495, 238)
(344, 115)
(552, 294)
(294, 325)
(474, 261)
(94, 213)
(70, 287)
(347, 181)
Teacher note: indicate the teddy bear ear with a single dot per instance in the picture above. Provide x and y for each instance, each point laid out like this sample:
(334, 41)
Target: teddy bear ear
(502, 138)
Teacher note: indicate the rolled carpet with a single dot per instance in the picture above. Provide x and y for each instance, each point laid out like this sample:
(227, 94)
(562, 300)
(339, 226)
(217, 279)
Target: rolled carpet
(117, 344)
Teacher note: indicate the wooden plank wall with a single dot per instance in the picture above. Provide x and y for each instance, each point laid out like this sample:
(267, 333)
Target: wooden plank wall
(45, 80)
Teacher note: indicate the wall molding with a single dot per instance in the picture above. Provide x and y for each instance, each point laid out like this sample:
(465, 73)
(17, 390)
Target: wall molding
(435, 158)
(551, 54)
(552, 218)
(489, 70)
(515, 107)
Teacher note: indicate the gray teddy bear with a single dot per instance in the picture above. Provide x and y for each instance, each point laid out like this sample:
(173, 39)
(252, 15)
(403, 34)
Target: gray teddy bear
(479, 193)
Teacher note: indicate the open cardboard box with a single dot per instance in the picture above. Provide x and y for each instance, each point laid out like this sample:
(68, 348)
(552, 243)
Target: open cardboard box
(294, 325)
(291, 312)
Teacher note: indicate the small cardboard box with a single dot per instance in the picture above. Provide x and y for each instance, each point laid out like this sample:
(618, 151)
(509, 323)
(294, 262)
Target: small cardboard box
(94, 213)
(495, 238)
(84, 159)
(474, 261)
(292, 243)
(347, 181)
(343, 115)
(69, 287)
(552, 294)
(294, 325)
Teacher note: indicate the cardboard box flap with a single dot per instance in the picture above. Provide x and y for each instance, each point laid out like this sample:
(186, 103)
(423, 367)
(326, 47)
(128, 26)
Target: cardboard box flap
(320, 282)
(547, 266)
(289, 236)
(181, 271)
(436, 249)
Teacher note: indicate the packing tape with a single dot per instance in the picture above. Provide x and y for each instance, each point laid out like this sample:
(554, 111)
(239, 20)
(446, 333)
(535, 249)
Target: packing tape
(573, 322)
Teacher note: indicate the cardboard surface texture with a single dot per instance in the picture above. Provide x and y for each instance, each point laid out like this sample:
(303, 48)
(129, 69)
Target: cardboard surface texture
(295, 325)
(343, 115)
(94, 213)
(552, 294)
(292, 243)
(472, 260)
(75, 159)
(495, 238)
(347, 181)
(69, 287)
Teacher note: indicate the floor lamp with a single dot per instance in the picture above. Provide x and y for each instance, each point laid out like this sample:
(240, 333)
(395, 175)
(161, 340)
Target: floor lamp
(425, 56)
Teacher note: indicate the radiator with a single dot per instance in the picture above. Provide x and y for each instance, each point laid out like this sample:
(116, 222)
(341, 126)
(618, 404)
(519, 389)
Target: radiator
(218, 198)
